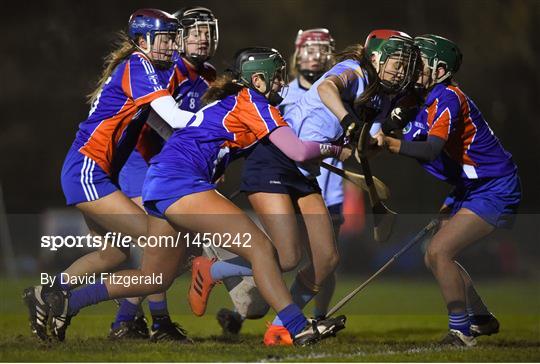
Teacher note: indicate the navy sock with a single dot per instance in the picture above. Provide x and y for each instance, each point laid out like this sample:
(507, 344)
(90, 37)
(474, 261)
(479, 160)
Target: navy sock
(459, 321)
(301, 295)
(293, 319)
(159, 312)
(86, 296)
(235, 267)
(126, 312)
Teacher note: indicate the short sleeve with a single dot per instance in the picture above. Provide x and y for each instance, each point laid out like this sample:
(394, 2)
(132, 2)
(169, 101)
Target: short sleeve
(443, 114)
(141, 81)
(351, 76)
(258, 116)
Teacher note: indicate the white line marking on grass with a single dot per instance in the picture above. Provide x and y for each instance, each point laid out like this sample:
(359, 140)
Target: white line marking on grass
(323, 355)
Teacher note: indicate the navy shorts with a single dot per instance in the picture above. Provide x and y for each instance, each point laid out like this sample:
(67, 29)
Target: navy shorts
(495, 200)
(83, 179)
(267, 169)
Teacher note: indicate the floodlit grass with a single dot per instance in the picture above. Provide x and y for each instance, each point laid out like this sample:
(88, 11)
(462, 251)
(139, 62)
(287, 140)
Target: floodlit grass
(392, 320)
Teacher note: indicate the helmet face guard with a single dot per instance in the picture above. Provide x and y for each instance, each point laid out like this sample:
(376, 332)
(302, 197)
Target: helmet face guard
(313, 53)
(199, 34)
(397, 64)
(159, 29)
(264, 62)
(376, 39)
(436, 51)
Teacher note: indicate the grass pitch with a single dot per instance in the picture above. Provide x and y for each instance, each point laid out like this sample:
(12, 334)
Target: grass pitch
(392, 320)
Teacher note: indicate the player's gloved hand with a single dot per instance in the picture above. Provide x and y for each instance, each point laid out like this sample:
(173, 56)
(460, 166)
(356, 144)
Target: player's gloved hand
(398, 119)
(351, 127)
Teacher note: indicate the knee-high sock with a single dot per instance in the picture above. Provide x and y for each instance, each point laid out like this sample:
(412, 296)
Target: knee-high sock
(87, 296)
(301, 295)
(159, 312)
(293, 319)
(459, 321)
(126, 312)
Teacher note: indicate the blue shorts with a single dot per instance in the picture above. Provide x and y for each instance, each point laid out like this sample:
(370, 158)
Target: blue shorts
(165, 184)
(83, 180)
(131, 177)
(495, 200)
(267, 169)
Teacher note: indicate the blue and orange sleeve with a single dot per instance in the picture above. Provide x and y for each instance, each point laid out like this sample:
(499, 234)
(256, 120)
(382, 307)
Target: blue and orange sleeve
(442, 115)
(259, 117)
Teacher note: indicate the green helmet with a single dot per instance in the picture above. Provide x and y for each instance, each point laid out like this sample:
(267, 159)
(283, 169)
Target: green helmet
(439, 50)
(377, 38)
(398, 47)
(259, 60)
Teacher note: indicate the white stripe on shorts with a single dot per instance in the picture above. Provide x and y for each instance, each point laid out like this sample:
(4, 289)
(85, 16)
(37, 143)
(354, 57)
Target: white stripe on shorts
(82, 180)
(92, 181)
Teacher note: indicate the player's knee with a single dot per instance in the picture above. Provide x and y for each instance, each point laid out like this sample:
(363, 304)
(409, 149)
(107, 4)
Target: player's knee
(263, 249)
(334, 260)
(289, 260)
(435, 256)
(329, 259)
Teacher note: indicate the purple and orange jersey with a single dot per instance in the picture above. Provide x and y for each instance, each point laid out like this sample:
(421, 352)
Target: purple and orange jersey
(472, 150)
(234, 123)
(114, 122)
(189, 92)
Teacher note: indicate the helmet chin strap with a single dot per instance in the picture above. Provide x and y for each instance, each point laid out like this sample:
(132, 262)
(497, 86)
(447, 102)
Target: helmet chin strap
(196, 60)
(434, 72)
(274, 98)
(148, 48)
(311, 76)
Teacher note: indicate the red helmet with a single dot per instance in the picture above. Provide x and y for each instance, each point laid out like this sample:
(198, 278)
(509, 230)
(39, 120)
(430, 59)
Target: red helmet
(381, 34)
(318, 35)
(313, 45)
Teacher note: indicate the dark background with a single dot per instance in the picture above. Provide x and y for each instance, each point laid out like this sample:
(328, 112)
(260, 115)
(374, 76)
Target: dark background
(52, 55)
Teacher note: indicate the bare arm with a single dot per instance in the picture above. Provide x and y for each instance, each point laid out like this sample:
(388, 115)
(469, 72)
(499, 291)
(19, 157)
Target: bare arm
(329, 91)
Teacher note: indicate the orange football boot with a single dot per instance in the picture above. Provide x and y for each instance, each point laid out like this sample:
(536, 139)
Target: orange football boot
(277, 335)
(201, 284)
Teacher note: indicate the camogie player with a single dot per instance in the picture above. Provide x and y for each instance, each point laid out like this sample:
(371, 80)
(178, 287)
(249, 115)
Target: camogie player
(139, 76)
(312, 57)
(198, 40)
(453, 142)
(278, 187)
(179, 190)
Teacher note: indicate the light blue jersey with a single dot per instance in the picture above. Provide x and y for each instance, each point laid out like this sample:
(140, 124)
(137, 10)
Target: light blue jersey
(312, 120)
(294, 92)
(331, 184)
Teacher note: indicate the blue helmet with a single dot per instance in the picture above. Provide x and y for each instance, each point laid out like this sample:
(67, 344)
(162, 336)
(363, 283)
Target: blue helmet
(148, 22)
